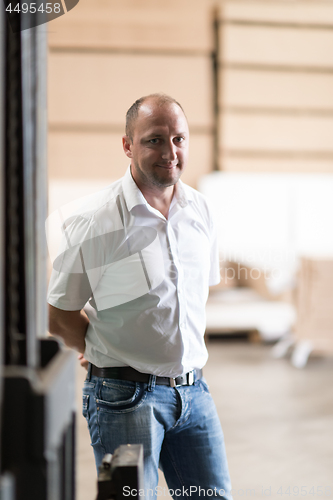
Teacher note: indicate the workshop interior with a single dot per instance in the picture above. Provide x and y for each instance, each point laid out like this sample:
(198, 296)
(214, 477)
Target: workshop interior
(255, 78)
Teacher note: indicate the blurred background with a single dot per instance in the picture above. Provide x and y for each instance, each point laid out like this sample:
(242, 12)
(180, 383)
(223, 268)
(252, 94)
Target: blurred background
(256, 81)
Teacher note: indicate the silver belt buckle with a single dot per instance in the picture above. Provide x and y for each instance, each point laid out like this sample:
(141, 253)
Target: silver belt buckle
(172, 382)
(190, 378)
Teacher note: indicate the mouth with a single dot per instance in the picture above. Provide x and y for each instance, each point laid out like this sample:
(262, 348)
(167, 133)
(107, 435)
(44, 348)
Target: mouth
(168, 167)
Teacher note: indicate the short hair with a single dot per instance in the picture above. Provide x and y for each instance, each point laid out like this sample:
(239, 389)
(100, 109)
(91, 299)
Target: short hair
(132, 113)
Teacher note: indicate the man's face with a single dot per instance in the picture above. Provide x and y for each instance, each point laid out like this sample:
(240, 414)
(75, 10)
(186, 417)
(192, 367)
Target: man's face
(159, 151)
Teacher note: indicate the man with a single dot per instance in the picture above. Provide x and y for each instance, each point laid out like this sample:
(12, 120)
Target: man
(144, 252)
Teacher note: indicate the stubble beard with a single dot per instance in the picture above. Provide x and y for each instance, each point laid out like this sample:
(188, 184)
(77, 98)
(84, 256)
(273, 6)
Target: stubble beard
(153, 179)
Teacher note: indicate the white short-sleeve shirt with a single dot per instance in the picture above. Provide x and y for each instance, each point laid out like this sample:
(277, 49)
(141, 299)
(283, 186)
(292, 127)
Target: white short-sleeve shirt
(142, 279)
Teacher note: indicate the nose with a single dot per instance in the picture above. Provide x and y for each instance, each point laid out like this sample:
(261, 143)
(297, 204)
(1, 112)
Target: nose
(169, 151)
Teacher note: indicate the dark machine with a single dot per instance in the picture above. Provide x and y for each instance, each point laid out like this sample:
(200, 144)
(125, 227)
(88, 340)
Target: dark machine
(121, 474)
(37, 384)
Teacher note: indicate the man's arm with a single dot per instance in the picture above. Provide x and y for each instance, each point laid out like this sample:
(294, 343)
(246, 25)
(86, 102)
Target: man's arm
(71, 326)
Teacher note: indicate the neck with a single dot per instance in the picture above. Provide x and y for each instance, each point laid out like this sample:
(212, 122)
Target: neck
(160, 201)
(157, 197)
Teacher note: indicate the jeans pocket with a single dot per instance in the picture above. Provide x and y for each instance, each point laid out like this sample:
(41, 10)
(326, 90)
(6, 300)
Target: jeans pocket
(119, 396)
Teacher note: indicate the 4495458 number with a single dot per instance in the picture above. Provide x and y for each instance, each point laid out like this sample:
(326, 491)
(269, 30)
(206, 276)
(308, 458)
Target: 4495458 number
(48, 7)
(304, 491)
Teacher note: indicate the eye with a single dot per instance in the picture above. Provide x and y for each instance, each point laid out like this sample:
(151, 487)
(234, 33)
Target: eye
(154, 141)
(180, 139)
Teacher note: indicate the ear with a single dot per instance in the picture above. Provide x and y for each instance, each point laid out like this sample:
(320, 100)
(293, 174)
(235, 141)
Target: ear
(127, 146)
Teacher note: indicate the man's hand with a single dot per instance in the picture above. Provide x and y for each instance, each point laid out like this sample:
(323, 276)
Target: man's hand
(83, 362)
(71, 326)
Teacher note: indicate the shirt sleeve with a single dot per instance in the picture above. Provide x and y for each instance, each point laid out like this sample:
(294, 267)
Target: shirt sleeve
(70, 286)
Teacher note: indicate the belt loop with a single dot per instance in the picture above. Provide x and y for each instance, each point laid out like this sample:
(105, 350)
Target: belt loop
(151, 383)
(88, 377)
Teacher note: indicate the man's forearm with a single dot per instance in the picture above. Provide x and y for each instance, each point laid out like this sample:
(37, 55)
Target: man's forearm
(71, 326)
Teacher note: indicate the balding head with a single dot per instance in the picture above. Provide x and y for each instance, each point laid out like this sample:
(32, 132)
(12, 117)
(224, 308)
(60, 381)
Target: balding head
(157, 142)
(133, 112)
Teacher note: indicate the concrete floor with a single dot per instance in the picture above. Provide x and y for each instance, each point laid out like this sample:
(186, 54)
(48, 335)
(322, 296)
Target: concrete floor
(277, 421)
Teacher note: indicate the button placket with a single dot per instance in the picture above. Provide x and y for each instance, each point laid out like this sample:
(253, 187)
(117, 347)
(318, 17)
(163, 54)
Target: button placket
(180, 281)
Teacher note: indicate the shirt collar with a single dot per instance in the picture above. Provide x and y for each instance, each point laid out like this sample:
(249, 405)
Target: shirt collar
(183, 194)
(134, 197)
(132, 193)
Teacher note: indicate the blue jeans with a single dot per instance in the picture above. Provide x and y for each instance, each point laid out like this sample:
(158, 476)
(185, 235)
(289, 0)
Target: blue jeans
(178, 427)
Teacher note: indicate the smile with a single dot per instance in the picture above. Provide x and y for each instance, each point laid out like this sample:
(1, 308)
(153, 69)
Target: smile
(168, 167)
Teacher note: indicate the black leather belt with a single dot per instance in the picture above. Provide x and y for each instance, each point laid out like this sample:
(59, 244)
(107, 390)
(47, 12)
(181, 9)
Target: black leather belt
(128, 373)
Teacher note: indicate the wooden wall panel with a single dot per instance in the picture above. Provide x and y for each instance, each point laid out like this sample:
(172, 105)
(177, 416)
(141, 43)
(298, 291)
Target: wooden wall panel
(276, 86)
(277, 46)
(100, 155)
(201, 158)
(312, 12)
(245, 132)
(99, 88)
(307, 91)
(86, 155)
(136, 24)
